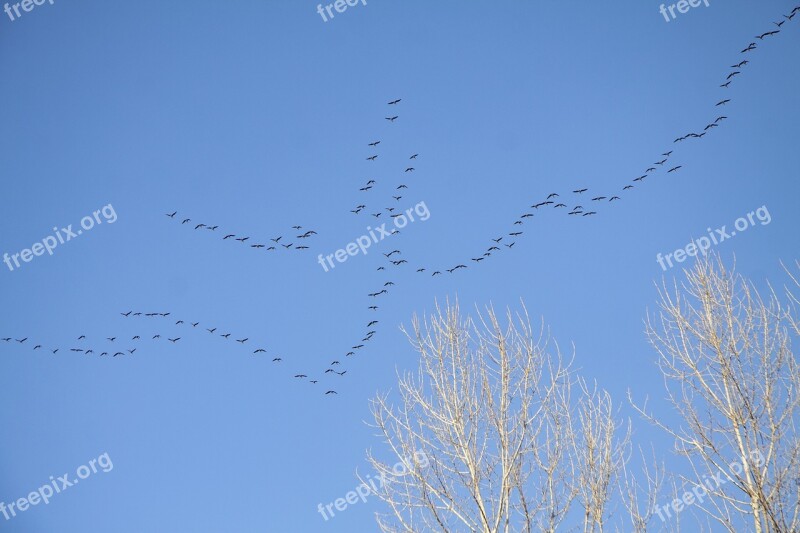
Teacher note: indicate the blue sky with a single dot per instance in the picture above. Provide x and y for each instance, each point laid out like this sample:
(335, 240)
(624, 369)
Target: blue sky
(255, 116)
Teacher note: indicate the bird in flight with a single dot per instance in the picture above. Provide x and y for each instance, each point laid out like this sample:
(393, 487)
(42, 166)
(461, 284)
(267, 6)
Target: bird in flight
(372, 158)
(260, 350)
(394, 102)
(579, 191)
(172, 215)
(732, 74)
(277, 359)
(674, 169)
(625, 188)
(376, 143)
(392, 119)
(211, 330)
(173, 341)
(723, 102)
(331, 392)
(751, 46)
(410, 169)
(413, 156)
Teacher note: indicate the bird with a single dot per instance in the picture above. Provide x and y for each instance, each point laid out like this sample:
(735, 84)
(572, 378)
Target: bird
(81, 337)
(260, 350)
(394, 102)
(136, 337)
(242, 239)
(719, 119)
(410, 169)
(335, 363)
(414, 156)
(131, 351)
(156, 337)
(126, 314)
(661, 162)
(300, 376)
(200, 226)
(402, 187)
(723, 102)
(725, 85)
(650, 169)
(173, 341)
(640, 178)
(242, 341)
(186, 220)
(172, 215)
(598, 198)
(118, 353)
(227, 335)
(372, 323)
(7, 339)
(391, 119)
(112, 339)
(372, 158)
(212, 228)
(179, 322)
(751, 46)
(510, 245)
(579, 191)
(435, 273)
(297, 227)
(552, 195)
(498, 240)
(614, 198)
(712, 125)
(211, 330)
(376, 143)
(55, 351)
(732, 74)
(37, 346)
(741, 64)
(625, 188)
(590, 213)
(374, 307)
(277, 359)
(674, 169)
(331, 392)
(667, 154)
(226, 237)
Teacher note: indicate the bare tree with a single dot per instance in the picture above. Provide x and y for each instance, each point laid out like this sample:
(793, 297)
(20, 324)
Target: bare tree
(725, 353)
(507, 447)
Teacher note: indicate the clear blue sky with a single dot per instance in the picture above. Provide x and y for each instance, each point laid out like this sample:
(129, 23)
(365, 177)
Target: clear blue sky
(255, 116)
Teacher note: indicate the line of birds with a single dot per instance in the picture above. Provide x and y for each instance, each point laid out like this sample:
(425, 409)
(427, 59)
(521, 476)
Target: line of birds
(274, 243)
(214, 331)
(597, 200)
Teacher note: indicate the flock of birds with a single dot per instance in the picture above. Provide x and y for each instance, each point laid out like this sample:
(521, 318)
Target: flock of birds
(587, 204)
(584, 204)
(270, 245)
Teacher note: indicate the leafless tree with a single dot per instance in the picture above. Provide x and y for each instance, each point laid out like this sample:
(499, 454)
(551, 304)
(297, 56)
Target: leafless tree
(725, 353)
(508, 448)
